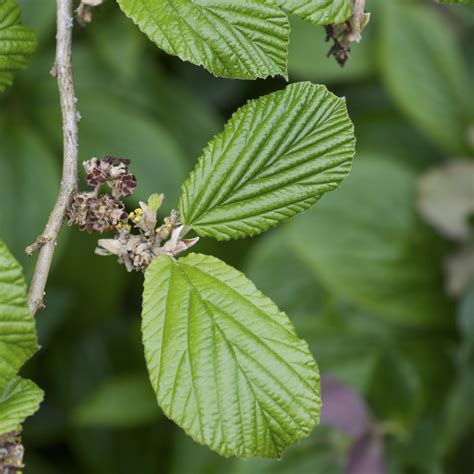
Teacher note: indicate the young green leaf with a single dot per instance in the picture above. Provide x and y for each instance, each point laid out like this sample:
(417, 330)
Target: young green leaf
(276, 157)
(243, 39)
(17, 327)
(319, 12)
(16, 42)
(19, 399)
(225, 362)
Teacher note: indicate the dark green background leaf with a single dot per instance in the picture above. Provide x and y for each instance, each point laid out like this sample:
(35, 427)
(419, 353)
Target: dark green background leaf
(367, 244)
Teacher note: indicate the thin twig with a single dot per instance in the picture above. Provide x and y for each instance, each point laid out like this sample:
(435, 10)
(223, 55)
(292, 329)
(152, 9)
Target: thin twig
(62, 70)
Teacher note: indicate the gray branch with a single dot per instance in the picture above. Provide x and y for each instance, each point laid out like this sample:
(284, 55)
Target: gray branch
(47, 241)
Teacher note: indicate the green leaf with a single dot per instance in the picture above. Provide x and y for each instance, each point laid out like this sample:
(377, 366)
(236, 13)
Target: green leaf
(121, 401)
(423, 70)
(243, 39)
(17, 327)
(19, 398)
(276, 157)
(395, 392)
(367, 245)
(319, 12)
(458, 417)
(225, 362)
(16, 42)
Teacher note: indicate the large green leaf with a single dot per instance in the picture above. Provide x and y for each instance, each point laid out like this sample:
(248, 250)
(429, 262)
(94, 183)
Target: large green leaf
(242, 39)
(19, 398)
(225, 362)
(367, 244)
(319, 12)
(276, 156)
(16, 42)
(17, 327)
(423, 70)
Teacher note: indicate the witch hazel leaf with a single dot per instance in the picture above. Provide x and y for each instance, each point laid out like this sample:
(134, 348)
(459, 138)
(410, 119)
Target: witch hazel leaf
(243, 39)
(19, 399)
(16, 42)
(276, 157)
(224, 361)
(17, 327)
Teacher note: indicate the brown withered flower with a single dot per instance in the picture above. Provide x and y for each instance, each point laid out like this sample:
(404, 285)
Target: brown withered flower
(113, 171)
(342, 35)
(96, 214)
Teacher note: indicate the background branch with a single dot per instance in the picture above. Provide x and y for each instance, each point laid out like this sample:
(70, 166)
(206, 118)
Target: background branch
(62, 70)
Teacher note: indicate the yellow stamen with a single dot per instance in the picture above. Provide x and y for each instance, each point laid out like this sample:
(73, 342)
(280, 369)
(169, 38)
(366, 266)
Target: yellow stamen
(138, 212)
(132, 215)
(137, 219)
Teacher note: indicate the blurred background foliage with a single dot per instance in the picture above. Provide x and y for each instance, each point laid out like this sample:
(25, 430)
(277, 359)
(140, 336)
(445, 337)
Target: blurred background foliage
(361, 274)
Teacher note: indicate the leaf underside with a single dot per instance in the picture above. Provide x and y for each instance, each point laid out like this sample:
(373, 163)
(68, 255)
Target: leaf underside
(16, 42)
(243, 39)
(224, 361)
(319, 12)
(276, 156)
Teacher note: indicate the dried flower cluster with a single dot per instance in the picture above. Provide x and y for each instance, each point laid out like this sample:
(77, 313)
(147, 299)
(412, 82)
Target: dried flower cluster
(346, 33)
(11, 453)
(137, 250)
(102, 213)
(138, 239)
(112, 171)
